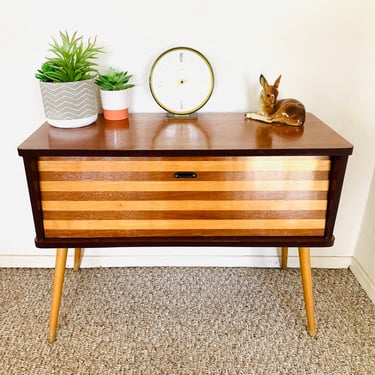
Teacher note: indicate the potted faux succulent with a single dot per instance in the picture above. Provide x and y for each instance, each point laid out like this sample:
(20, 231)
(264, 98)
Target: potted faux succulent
(114, 93)
(67, 81)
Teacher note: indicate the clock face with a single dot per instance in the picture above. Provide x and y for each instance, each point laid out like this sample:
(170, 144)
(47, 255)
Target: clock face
(181, 80)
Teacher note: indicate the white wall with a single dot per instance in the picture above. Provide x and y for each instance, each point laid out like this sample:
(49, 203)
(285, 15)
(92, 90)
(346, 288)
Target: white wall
(363, 262)
(323, 49)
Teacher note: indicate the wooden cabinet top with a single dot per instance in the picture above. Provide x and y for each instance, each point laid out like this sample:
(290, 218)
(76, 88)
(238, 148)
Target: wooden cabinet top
(211, 134)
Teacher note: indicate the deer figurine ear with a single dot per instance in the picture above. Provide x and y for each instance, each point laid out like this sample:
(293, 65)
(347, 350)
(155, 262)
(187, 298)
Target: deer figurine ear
(277, 82)
(263, 81)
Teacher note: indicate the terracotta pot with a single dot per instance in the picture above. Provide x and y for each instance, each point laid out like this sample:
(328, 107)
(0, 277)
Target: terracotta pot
(115, 104)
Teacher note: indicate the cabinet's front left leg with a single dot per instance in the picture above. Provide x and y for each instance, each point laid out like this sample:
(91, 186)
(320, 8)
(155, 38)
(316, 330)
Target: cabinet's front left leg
(58, 281)
(304, 260)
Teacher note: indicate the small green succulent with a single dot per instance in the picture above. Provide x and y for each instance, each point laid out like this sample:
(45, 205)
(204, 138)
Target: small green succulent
(114, 80)
(71, 60)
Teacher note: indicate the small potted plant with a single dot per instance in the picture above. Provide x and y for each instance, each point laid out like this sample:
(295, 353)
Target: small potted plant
(114, 93)
(67, 81)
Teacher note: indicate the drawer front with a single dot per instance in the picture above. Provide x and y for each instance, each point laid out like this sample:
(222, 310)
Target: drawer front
(86, 197)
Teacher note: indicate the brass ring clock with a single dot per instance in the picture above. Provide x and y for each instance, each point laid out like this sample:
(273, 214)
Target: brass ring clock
(181, 80)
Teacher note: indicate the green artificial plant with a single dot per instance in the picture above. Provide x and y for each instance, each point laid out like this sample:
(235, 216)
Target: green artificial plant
(71, 60)
(114, 80)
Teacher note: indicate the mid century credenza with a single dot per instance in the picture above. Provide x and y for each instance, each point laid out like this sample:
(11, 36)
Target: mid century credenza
(214, 180)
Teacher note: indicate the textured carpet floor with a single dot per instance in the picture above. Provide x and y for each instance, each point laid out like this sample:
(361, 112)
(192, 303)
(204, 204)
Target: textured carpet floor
(185, 321)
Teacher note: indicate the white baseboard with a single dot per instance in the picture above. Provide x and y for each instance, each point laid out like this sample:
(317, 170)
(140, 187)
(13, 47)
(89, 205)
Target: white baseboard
(188, 257)
(361, 275)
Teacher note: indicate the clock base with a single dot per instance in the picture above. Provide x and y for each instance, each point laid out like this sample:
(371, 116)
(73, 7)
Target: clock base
(189, 116)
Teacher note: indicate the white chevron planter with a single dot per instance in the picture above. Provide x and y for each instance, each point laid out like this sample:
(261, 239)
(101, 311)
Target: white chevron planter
(70, 104)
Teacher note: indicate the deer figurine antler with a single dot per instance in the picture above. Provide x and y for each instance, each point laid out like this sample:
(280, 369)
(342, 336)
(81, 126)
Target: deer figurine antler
(284, 111)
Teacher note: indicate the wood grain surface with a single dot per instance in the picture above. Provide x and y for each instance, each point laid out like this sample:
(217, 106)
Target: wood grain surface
(230, 196)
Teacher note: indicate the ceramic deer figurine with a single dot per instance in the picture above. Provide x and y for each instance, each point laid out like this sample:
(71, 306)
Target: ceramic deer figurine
(284, 111)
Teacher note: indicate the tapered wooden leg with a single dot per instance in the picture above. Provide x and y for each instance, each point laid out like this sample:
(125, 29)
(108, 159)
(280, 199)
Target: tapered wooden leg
(61, 255)
(284, 258)
(304, 260)
(77, 258)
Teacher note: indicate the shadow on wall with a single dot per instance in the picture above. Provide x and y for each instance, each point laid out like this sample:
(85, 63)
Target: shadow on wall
(365, 249)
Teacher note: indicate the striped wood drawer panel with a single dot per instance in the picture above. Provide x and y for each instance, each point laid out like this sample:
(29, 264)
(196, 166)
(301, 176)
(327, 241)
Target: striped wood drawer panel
(231, 196)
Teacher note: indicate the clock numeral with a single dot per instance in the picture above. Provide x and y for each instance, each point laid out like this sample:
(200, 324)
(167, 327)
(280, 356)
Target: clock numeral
(181, 105)
(181, 57)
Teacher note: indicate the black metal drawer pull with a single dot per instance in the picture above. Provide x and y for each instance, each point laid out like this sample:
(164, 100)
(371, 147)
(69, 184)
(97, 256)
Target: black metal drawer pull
(185, 175)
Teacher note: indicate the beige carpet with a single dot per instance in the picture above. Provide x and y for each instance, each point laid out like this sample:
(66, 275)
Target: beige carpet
(185, 321)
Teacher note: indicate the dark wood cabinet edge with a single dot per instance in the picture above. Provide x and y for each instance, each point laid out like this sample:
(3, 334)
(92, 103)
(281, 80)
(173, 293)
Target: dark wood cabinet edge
(32, 178)
(336, 179)
(186, 241)
(185, 153)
